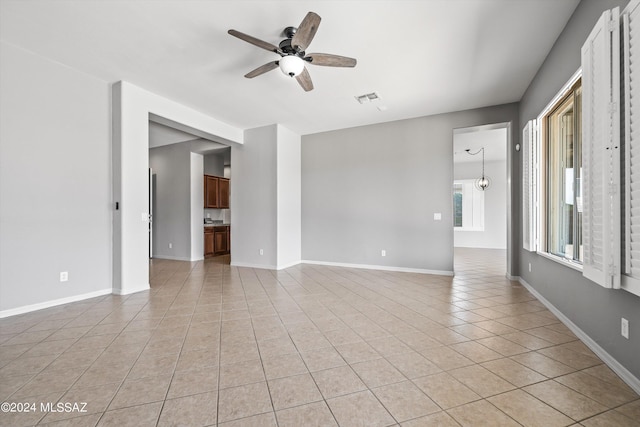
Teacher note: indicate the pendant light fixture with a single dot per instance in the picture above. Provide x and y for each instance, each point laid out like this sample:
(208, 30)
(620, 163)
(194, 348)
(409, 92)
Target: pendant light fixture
(484, 181)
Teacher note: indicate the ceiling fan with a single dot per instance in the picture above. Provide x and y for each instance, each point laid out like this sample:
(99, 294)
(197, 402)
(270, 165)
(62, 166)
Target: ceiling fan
(292, 52)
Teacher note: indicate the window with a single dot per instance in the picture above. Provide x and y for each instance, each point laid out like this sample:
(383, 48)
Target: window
(457, 204)
(468, 206)
(553, 177)
(581, 176)
(562, 144)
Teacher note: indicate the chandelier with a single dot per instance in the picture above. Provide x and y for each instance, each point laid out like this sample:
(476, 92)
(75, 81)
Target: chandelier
(484, 181)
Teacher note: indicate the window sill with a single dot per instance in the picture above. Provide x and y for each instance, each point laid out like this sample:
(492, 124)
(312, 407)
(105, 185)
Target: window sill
(560, 260)
(630, 284)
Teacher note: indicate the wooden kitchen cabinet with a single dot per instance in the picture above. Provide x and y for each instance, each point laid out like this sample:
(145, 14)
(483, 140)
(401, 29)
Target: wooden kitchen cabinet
(220, 240)
(216, 192)
(210, 191)
(217, 240)
(209, 245)
(223, 193)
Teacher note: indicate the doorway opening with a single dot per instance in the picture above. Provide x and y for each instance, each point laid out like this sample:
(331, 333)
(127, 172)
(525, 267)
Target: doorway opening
(180, 162)
(480, 199)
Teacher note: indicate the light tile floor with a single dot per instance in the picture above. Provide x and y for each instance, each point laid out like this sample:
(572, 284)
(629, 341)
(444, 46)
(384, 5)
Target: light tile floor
(311, 345)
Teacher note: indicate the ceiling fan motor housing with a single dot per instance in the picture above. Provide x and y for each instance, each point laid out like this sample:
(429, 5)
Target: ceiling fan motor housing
(286, 47)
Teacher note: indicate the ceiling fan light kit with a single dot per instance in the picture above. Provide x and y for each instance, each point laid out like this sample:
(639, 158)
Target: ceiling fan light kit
(292, 52)
(291, 65)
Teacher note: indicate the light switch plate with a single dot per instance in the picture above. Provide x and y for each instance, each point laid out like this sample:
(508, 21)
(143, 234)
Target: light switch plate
(624, 328)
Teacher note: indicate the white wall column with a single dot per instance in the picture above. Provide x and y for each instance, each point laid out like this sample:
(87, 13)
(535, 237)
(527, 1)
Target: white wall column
(131, 108)
(266, 199)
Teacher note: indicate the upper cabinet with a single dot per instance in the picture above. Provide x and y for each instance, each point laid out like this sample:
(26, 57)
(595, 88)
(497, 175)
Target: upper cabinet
(210, 191)
(223, 193)
(216, 192)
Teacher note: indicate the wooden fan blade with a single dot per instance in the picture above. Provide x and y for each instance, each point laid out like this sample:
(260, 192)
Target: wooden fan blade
(305, 32)
(262, 69)
(254, 41)
(305, 80)
(329, 60)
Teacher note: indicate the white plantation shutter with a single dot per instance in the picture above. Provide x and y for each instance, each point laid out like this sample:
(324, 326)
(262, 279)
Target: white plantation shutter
(529, 186)
(631, 161)
(600, 151)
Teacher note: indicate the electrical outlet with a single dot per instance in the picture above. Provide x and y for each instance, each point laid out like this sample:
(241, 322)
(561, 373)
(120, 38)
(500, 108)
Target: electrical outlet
(145, 217)
(64, 276)
(170, 245)
(437, 216)
(208, 215)
(383, 253)
(529, 267)
(261, 252)
(624, 327)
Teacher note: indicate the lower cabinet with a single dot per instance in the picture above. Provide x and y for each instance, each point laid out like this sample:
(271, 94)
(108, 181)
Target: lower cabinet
(216, 240)
(220, 240)
(208, 241)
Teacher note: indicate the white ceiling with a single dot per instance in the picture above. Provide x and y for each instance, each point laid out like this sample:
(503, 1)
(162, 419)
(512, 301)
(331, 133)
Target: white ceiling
(494, 142)
(422, 57)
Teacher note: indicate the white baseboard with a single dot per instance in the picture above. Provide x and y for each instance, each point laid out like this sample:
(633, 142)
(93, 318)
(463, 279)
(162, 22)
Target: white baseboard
(53, 303)
(612, 363)
(249, 265)
(173, 258)
(381, 267)
(291, 264)
(512, 278)
(264, 266)
(131, 290)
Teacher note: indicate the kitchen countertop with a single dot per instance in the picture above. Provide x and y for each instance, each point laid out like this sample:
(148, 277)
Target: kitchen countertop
(218, 224)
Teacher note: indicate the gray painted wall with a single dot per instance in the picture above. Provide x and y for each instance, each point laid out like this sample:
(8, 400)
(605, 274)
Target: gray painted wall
(196, 173)
(55, 181)
(597, 311)
(494, 235)
(214, 164)
(377, 187)
(254, 198)
(171, 166)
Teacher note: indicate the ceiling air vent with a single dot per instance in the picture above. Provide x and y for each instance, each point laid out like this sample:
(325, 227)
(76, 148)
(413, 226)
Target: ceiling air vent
(370, 97)
(373, 96)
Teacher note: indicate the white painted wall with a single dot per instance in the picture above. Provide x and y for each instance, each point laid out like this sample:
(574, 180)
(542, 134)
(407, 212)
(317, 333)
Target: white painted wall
(494, 235)
(196, 188)
(55, 183)
(289, 198)
(131, 109)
